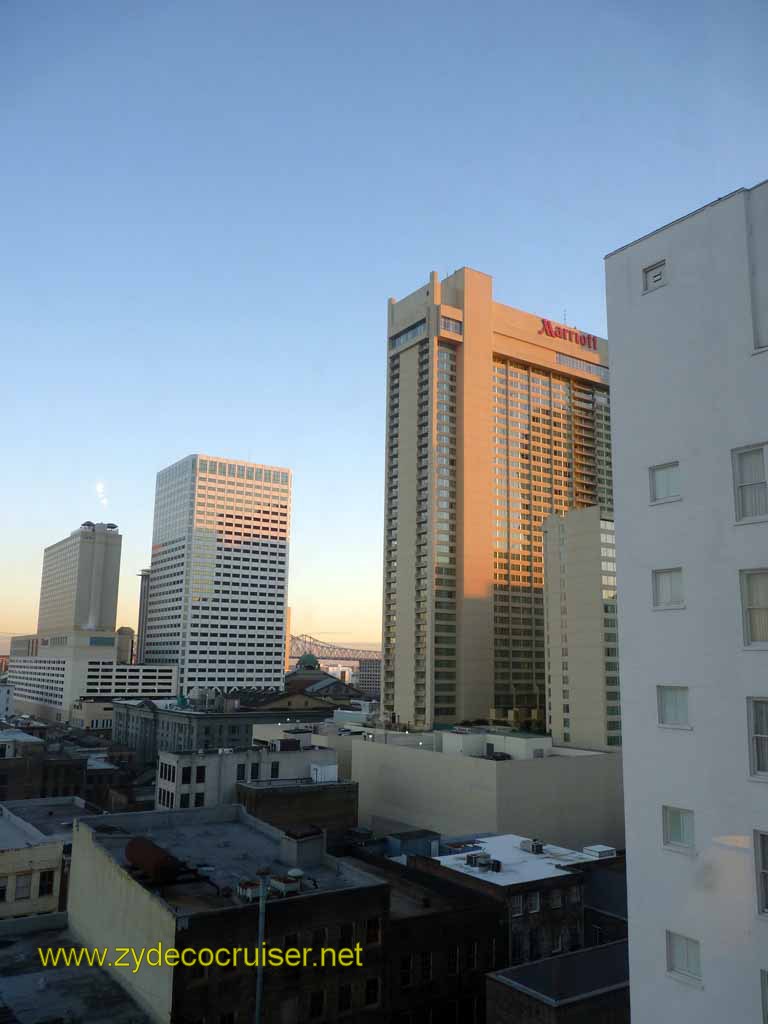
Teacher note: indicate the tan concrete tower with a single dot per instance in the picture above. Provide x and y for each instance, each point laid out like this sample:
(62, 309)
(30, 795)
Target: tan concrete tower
(496, 418)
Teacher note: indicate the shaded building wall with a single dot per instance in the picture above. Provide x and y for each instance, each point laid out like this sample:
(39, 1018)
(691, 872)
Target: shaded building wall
(332, 807)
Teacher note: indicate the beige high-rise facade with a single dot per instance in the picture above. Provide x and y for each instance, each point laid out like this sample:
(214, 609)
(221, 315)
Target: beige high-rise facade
(80, 578)
(581, 637)
(495, 419)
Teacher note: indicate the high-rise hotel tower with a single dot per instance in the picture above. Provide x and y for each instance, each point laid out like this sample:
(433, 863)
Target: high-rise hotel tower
(495, 419)
(216, 604)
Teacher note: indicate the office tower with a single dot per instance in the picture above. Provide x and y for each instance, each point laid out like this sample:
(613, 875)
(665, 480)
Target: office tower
(141, 632)
(218, 578)
(76, 652)
(581, 638)
(80, 578)
(495, 419)
(369, 677)
(688, 318)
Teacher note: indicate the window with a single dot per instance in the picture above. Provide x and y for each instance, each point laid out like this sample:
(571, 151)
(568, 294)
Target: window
(516, 904)
(665, 482)
(452, 960)
(45, 885)
(533, 902)
(683, 956)
(761, 863)
(406, 966)
(555, 898)
(183, 799)
(275, 770)
(3, 888)
(372, 931)
(186, 775)
(750, 482)
(668, 588)
(241, 773)
(316, 1004)
(425, 966)
(677, 827)
(199, 799)
(754, 593)
(345, 998)
(758, 735)
(254, 770)
(654, 276)
(23, 886)
(200, 773)
(672, 702)
(371, 991)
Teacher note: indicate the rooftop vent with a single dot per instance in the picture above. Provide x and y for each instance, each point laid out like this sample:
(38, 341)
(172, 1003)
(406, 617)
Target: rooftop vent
(600, 851)
(532, 846)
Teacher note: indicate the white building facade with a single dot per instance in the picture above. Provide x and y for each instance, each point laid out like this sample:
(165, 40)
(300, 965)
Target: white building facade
(207, 778)
(216, 604)
(688, 320)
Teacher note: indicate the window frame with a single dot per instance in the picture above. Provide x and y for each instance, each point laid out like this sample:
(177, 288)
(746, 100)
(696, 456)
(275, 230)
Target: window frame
(670, 844)
(687, 726)
(754, 771)
(676, 972)
(666, 607)
(735, 453)
(751, 645)
(651, 488)
(761, 872)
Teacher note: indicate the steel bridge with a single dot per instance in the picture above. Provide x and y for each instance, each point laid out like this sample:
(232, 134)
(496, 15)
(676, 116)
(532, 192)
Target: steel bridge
(306, 644)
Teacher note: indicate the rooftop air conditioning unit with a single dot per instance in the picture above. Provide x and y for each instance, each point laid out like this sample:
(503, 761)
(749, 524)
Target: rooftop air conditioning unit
(471, 859)
(600, 851)
(526, 845)
(495, 865)
(537, 846)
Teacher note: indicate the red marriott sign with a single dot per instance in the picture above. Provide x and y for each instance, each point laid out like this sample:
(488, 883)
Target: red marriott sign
(568, 334)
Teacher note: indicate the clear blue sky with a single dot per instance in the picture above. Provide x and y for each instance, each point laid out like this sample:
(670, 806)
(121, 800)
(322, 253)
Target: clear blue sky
(206, 206)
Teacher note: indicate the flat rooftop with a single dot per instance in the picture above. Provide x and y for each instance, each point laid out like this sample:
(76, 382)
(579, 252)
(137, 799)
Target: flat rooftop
(407, 898)
(518, 865)
(573, 976)
(18, 736)
(33, 994)
(53, 816)
(221, 847)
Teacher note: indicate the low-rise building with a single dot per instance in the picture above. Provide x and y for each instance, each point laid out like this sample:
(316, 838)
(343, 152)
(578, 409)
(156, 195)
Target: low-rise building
(92, 715)
(49, 673)
(31, 869)
(582, 987)
(34, 993)
(468, 781)
(541, 887)
(21, 764)
(148, 726)
(188, 880)
(207, 778)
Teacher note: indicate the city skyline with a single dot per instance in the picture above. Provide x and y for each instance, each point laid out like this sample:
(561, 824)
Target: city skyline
(207, 214)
